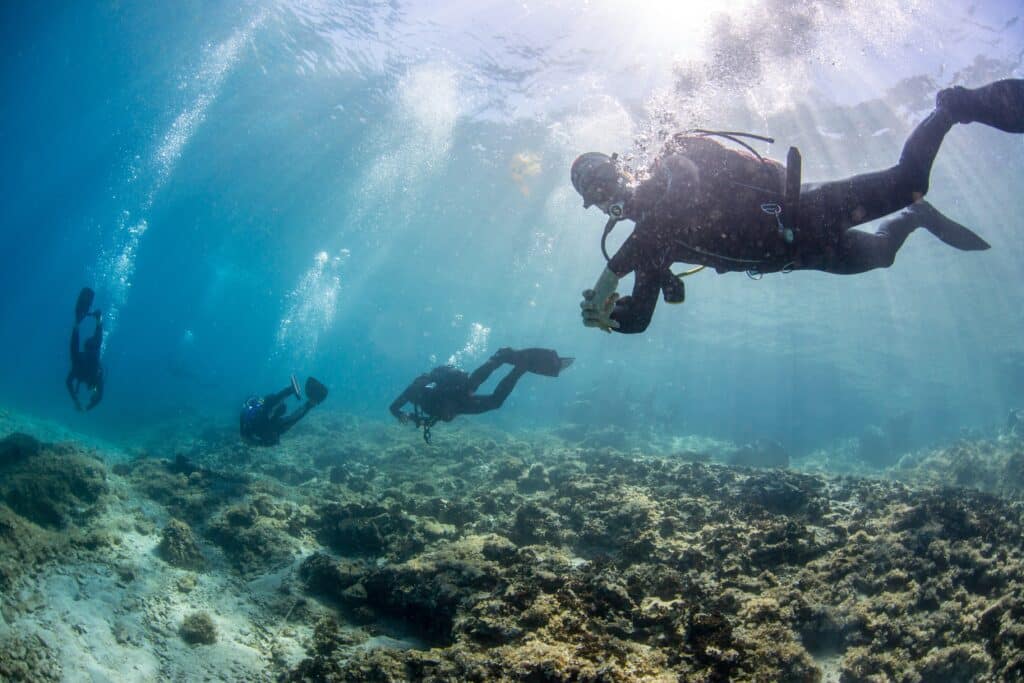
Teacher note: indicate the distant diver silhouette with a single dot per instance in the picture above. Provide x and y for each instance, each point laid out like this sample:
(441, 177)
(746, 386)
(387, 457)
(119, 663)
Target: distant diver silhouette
(445, 392)
(85, 361)
(263, 421)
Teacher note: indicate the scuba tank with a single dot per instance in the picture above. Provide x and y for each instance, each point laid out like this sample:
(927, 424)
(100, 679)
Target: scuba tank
(785, 209)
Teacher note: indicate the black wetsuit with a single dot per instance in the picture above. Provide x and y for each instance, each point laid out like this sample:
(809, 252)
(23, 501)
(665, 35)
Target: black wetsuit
(703, 204)
(445, 392)
(263, 421)
(85, 366)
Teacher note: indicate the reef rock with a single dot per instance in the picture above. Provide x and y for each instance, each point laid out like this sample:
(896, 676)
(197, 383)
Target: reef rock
(51, 485)
(178, 546)
(198, 629)
(257, 534)
(28, 658)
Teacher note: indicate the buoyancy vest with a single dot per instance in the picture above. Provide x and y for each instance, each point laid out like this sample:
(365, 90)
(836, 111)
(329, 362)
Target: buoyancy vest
(737, 211)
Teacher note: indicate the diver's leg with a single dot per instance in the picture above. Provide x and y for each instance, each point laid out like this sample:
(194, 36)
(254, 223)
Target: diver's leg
(271, 400)
(860, 251)
(999, 104)
(75, 346)
(828, 210)
(97, 333)
(483, 404)
(286, 423)
(481, 374)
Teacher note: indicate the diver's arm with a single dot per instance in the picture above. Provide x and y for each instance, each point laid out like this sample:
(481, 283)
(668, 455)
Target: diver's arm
(633, 313)
(399, 403)
(406, 396)
(599, 301)
(97, 333)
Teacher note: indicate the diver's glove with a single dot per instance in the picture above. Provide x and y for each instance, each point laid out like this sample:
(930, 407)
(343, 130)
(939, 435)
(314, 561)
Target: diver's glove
(599, 302)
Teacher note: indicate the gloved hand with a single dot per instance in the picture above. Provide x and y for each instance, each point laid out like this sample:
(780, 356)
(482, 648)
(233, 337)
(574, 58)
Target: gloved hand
(599, 302)
(599, 316)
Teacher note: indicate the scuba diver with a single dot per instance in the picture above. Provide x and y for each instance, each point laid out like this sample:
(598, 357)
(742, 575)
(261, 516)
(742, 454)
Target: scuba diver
(706, 204)
(263, 421)
(446, 391)
(85, 362)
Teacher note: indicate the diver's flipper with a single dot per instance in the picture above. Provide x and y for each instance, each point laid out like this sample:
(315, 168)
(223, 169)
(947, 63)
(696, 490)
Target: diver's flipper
(84, 303)
(565, 362)
(948, 230)
(316, 392)
(295, 387)
(999, 104)
(540, 361)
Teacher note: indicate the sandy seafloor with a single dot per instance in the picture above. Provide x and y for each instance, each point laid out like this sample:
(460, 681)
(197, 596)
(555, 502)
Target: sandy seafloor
(355, 552)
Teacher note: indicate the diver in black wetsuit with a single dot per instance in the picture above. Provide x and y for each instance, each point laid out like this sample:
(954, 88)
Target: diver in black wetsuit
(85, 362)
(263, 421)
(710, 205)
(445, 392)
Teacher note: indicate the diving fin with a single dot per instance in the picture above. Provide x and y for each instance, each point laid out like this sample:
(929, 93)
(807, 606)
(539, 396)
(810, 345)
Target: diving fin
(316, 392)
(541, 361)
(948, 230)
(84, 303)
(999, 104)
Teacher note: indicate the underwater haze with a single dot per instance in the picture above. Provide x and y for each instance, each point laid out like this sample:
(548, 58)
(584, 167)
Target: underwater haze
(362, 190)
(794, 477)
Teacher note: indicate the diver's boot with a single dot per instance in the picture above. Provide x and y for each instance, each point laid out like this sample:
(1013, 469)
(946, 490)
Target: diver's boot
(946, 229)
(541, 361)
(999, 104)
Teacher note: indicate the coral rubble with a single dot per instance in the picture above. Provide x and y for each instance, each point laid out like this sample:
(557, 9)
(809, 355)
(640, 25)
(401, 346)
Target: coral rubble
(530, 557)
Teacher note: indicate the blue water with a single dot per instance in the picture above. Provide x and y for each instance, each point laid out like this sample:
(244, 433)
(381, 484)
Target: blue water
(361, 191)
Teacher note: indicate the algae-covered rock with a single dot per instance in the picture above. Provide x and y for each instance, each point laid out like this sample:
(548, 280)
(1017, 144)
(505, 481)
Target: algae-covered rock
(53, 486)
(367, 530)
(536, 479)
(18, 446)
(28, 658)
(327, 576)
(429, 591)
(178, 546)
(257, 534)
(198, 629)
(189, 491)
(23, 545)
